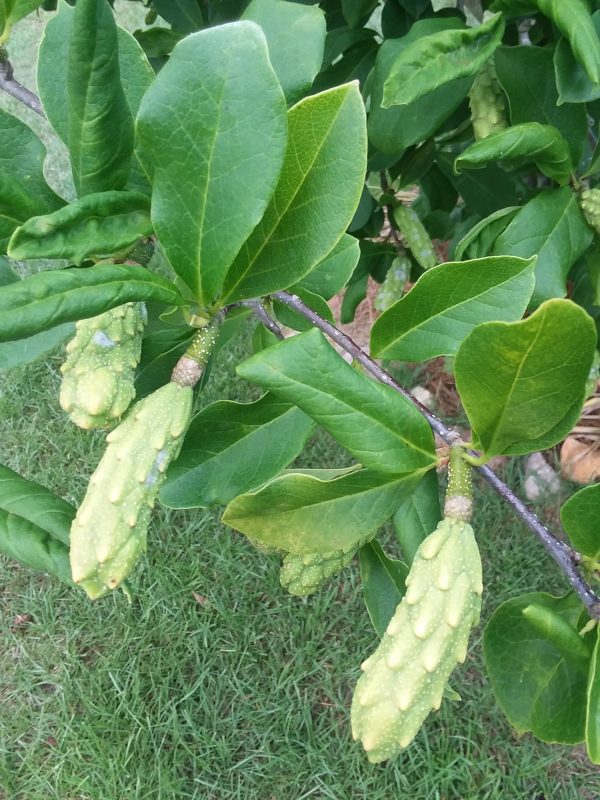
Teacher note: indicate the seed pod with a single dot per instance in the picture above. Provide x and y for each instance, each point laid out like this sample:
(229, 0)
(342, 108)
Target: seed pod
(416, 237)
(405, 677)
(303, 575)
(391, 289)
(98, 375)
(487, 103)
(108, 534)
(589, 200)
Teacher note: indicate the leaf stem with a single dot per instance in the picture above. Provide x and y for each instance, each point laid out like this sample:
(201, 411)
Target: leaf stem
(566, 558)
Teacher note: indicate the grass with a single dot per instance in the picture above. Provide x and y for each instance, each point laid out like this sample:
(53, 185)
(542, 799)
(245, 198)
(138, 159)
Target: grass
(214, 683)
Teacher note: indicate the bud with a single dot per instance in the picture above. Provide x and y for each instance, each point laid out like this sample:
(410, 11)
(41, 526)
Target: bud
(589, 200)
(98, 375)
(303, 575)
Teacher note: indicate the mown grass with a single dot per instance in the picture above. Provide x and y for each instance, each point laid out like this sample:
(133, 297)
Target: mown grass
(214, 683)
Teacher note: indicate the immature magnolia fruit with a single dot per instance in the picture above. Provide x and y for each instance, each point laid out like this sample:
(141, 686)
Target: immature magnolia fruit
(97, 385)
(405, 677)
(416, 237)
(303, 575)
(392, 287)
(488, 107)
(108, 534)
(589, 201)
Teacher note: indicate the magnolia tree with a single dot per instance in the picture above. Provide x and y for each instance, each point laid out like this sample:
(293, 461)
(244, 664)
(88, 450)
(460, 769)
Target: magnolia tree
(244, 160)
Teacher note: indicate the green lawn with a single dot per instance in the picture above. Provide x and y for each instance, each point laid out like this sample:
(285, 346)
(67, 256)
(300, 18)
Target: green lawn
(214, 683)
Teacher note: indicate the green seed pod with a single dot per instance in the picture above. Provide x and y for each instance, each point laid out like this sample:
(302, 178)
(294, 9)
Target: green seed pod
(589, 200)
(303, 575)
(108, 534)
(406, 676)
(487, 103)
(391, 289)
(97, 385)
(416, 237)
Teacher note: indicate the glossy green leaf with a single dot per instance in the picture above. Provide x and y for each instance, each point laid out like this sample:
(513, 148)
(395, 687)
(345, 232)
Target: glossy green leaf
(435, 60)
(560, 633)
(11, 11)
(447, 302)
(484, 191)
(527, 76)
(23, 188)
(418, 515)
(523, 383)
(383, 584)
(296, 37)
(51, 298)
(537, 689)
(231, 133)
(574, 85)
(34, 525)
(96, 225)
(573, 20)
(552, 227)
(231, 448)
(100, 138)
(355, 65)
(135, 72)
(391, 130)
(357, 11)
(479, 241)
(592, 715)
(377, 425)
(319, 188)
(529, 142)
(7, 273)
(304, 514)
(334, 271)
(184, 15)
(33, 348)
(579, 517)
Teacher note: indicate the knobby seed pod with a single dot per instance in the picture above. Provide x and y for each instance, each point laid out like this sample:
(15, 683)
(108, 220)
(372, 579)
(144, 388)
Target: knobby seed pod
(406, 676)
(109, 532)
(589, 200)
(392, 287)
(97, 385)
(487, 103)
(415, 236)
(303, 575)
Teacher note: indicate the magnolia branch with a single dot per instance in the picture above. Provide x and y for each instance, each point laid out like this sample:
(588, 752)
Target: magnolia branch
(565, 557)
(16, 89)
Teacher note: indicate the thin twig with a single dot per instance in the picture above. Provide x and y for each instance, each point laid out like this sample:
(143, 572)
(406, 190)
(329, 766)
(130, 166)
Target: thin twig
(566, 558)
(16, 89)
(266, 320)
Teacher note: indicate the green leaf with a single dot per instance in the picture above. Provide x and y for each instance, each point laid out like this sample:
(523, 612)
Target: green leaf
(296, 37)
(33, 348)
(418, 515)
(101, 137)
(50, 298)
(357, 11)
(23, 188)
(579, 517)
(447, 302)
(304, 514)
(391, 130)
(318, 191)
(136, 75)
(572, 82)
(34, 525)
(573, 20)
(96, 225)
(479, 241)
(383, 584)
(382, 429)
(537, 689)
(523, 383)
(527, 76)
(563, 636)
(530, 141)
(231, 134)
(334, 271)
(184, 15)
(7, 273)
(484, 190)
(436, 60)
(592, 717)
(232, 448)
(552, 227)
